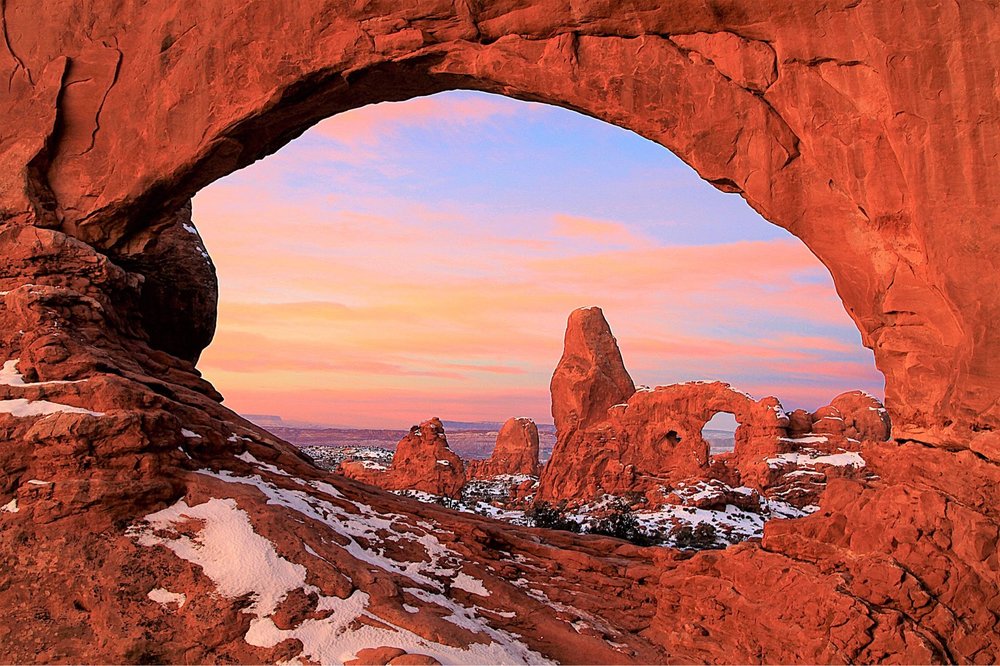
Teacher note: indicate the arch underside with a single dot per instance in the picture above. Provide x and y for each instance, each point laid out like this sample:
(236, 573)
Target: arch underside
(813, 113)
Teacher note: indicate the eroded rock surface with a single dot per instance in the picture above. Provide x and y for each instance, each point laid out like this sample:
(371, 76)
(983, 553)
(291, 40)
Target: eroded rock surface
(422, 462)
(516, 452)
(653, 441)
(867, 129)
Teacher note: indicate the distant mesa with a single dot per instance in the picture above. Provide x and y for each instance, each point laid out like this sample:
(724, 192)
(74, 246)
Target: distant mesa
(264, 420)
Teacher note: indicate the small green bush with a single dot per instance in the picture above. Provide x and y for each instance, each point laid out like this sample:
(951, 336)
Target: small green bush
(543, 514)
(621, 523)
(702, 537)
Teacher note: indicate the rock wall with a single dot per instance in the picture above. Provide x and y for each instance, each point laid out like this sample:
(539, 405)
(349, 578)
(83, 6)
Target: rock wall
(867, 129)
(756, 98)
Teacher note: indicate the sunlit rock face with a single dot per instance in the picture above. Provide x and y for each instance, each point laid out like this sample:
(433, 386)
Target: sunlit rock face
(652, 440)
(515, 453)
(422, 462)
(866, 129)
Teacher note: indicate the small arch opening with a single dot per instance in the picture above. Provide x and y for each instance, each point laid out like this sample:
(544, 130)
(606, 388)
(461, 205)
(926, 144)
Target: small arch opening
(720, 433)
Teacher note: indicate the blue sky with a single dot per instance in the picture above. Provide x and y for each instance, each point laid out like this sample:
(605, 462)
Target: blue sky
(414, 259)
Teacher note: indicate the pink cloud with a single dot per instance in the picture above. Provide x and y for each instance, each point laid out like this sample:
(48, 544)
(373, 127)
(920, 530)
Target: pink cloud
(606, 232)
(372, 124)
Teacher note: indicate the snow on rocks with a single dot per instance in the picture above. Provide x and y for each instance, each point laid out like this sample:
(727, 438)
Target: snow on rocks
(9, 376)
(464, 581)
(240, 562)
(811, 458)
(167, 598)
(23, 408)
(698, 505)
(249, 458)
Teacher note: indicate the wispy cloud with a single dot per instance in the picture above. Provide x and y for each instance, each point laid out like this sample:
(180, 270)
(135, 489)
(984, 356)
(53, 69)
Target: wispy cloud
(376, 124)
(397, 294)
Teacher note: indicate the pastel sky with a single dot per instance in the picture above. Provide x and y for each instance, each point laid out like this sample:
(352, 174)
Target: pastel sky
(419, 259)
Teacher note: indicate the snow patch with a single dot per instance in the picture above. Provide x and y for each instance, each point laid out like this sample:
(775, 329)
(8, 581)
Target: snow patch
(249, 458)
(165, 597)
(808, 439)
(10, 507)
(9, 376)
(464, 581)
(239, 561)
(24, 408)
(811, 458)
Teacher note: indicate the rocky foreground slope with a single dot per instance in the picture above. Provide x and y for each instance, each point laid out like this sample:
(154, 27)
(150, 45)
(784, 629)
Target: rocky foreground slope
(867, 129)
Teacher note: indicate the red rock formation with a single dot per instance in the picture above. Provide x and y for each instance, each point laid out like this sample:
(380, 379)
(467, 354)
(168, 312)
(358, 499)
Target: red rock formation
(864, 417)
(422, 462)
(591, 376)
(654, 439)
(867, 129)
(516, 452)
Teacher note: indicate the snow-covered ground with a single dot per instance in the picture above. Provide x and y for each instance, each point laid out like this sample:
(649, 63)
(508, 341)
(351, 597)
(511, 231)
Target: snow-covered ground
(240, 562)
(330, 457)
(663, 525)
(697, 516)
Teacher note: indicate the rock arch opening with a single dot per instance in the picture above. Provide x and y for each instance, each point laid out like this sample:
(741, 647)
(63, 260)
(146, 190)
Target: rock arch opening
(425, 239)
(720, 432)
(554, 194)
(91, 183)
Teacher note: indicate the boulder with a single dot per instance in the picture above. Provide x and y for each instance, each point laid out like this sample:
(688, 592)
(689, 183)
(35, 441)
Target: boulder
(865, 417)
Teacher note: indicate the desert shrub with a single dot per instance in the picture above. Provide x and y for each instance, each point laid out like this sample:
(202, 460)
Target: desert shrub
(634, 497)
(702, 537)
(620, 523)
(543, 514)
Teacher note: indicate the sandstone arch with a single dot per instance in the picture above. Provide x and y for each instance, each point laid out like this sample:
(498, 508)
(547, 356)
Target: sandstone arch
(755, 100)
(867, 129)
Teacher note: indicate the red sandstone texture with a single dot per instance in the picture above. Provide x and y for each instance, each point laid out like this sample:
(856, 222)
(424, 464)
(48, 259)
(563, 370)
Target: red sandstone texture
(515, 454)
(651, 441)
(867, 129)
(422, 462)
